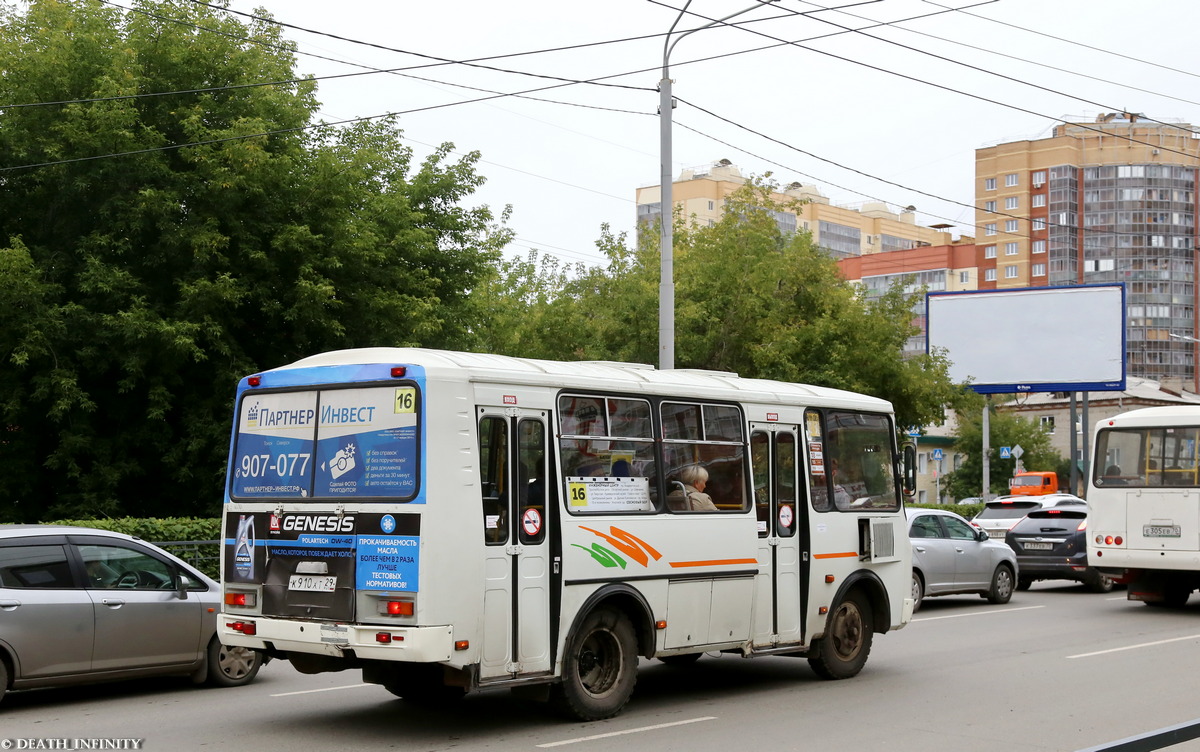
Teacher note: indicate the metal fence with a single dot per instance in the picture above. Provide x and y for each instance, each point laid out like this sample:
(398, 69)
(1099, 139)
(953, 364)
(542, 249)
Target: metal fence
(204, 555)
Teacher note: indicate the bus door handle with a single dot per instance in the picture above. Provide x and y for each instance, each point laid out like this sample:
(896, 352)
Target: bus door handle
(514, 550)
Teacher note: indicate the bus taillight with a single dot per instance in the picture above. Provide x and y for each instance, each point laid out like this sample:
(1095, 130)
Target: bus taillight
(398, 372)
(245, 627)
(244, 600)
(398, 608)
(254, 380)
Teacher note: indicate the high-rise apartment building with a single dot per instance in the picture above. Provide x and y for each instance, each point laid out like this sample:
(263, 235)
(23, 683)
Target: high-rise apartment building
(841, 231)
(1109, 201)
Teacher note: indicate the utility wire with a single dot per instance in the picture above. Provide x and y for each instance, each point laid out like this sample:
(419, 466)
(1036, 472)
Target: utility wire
(997, 53)
(990, 72)
(953, 90)
(1063, 39)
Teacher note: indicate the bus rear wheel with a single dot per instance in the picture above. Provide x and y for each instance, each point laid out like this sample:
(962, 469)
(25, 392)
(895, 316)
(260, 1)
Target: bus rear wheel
(599, 667)
(843, 651)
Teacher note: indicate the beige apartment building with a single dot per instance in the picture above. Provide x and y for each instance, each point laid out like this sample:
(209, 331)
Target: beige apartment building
(842, 231)
(1108, 201)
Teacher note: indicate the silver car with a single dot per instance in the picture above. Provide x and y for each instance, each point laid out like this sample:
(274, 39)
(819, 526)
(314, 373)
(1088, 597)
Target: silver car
(80, 605)
(952, 556)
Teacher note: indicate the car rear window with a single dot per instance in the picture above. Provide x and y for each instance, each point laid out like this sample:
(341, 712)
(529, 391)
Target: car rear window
(1007, 510)
(34, 567)
(1043, 514)
(1065, 519)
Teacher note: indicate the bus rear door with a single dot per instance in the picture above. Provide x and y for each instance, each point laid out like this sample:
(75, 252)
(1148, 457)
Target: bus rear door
(514, 467)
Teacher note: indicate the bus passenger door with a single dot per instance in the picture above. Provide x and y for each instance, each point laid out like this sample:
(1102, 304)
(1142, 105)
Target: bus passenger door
(516, 516)
(780, 591)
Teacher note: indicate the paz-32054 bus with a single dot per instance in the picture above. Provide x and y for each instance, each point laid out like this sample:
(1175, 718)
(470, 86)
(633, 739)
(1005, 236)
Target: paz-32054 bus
(1144, 500)
(447, 522)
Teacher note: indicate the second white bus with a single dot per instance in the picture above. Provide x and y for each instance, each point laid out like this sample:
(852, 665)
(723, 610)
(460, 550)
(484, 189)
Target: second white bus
(1144, 500)
(448, 522)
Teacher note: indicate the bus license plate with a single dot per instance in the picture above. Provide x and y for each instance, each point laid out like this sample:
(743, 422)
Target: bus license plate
(1162, 531)
(312, 583)
(1038, 546)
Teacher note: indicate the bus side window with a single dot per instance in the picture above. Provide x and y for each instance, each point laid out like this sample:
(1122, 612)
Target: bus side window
(493, 459)
(760, 469)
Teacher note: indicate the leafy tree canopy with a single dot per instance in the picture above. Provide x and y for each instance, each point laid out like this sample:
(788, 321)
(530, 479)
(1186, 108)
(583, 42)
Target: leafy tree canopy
(749, 299)
(156, 246)
(1004, 429)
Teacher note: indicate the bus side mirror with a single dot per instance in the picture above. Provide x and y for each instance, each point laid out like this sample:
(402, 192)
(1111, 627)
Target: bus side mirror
(908, 485)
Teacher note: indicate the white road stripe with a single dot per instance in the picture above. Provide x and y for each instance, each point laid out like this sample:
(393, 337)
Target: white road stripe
(326, 689)
(987, 612)
(628, 731)
(1133, 647)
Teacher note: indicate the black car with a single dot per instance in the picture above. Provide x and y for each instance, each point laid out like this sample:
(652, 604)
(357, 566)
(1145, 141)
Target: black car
(1051, 544)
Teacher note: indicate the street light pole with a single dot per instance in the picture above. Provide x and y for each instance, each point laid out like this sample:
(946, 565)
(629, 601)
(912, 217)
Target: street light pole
(666, 285)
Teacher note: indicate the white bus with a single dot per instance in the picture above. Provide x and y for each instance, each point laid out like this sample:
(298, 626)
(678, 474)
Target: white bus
(1144, 499)
(448, 522)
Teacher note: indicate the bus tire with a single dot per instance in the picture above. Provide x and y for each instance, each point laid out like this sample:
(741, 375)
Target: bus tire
(599, 669)
(843, 651)
(685, 659)
(1097, 582)
(422, 684)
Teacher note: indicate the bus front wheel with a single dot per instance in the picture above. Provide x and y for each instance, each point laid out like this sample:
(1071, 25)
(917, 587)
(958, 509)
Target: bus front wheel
(599, 667)
(843, 651)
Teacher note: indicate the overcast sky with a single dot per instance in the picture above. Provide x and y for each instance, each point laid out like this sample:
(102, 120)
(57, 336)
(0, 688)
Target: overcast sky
(866, 116)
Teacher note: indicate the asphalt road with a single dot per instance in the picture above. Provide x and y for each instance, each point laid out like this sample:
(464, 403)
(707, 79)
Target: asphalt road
(1058, 668)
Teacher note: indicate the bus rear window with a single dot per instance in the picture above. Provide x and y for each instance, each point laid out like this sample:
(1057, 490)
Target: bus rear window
(328, 443)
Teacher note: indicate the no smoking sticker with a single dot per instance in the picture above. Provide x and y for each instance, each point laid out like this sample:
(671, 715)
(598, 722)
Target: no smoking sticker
(785, 516)
(531, 522)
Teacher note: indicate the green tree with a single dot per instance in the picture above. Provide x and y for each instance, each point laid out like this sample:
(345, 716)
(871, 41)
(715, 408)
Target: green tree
(749, 299)
(1004, 429)
(157, 246)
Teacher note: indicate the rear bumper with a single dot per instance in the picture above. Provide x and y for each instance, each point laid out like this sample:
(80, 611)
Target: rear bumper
(412, 644)
(1053, 567)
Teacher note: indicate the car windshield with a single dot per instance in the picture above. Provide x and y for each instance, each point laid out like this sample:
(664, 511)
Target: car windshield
(1006, 509)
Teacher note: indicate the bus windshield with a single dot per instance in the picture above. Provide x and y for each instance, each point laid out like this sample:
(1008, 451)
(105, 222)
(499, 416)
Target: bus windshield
(1136, 457)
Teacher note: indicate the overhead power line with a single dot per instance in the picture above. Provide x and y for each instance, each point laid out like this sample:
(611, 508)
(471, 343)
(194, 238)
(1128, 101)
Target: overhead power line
(916, 79)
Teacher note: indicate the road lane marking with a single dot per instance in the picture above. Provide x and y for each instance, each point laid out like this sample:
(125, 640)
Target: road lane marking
(326, 689)
(1134, 647)
(628, 731)
(977, 613)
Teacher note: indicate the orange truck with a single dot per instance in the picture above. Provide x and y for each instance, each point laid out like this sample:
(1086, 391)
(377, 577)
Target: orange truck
(1033, 483)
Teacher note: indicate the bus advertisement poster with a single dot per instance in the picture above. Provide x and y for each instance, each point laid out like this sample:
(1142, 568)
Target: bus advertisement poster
(391, 559)
(275, 445)
(367, 443)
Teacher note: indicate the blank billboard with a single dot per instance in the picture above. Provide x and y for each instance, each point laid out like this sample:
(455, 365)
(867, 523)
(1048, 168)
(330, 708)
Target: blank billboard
(1041, 339)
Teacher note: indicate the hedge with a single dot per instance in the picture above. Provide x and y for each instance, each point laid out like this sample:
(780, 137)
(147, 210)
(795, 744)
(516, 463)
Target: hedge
(193, 539)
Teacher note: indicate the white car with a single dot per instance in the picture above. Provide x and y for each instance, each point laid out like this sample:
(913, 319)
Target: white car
(950, 556)
(1002, 512)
